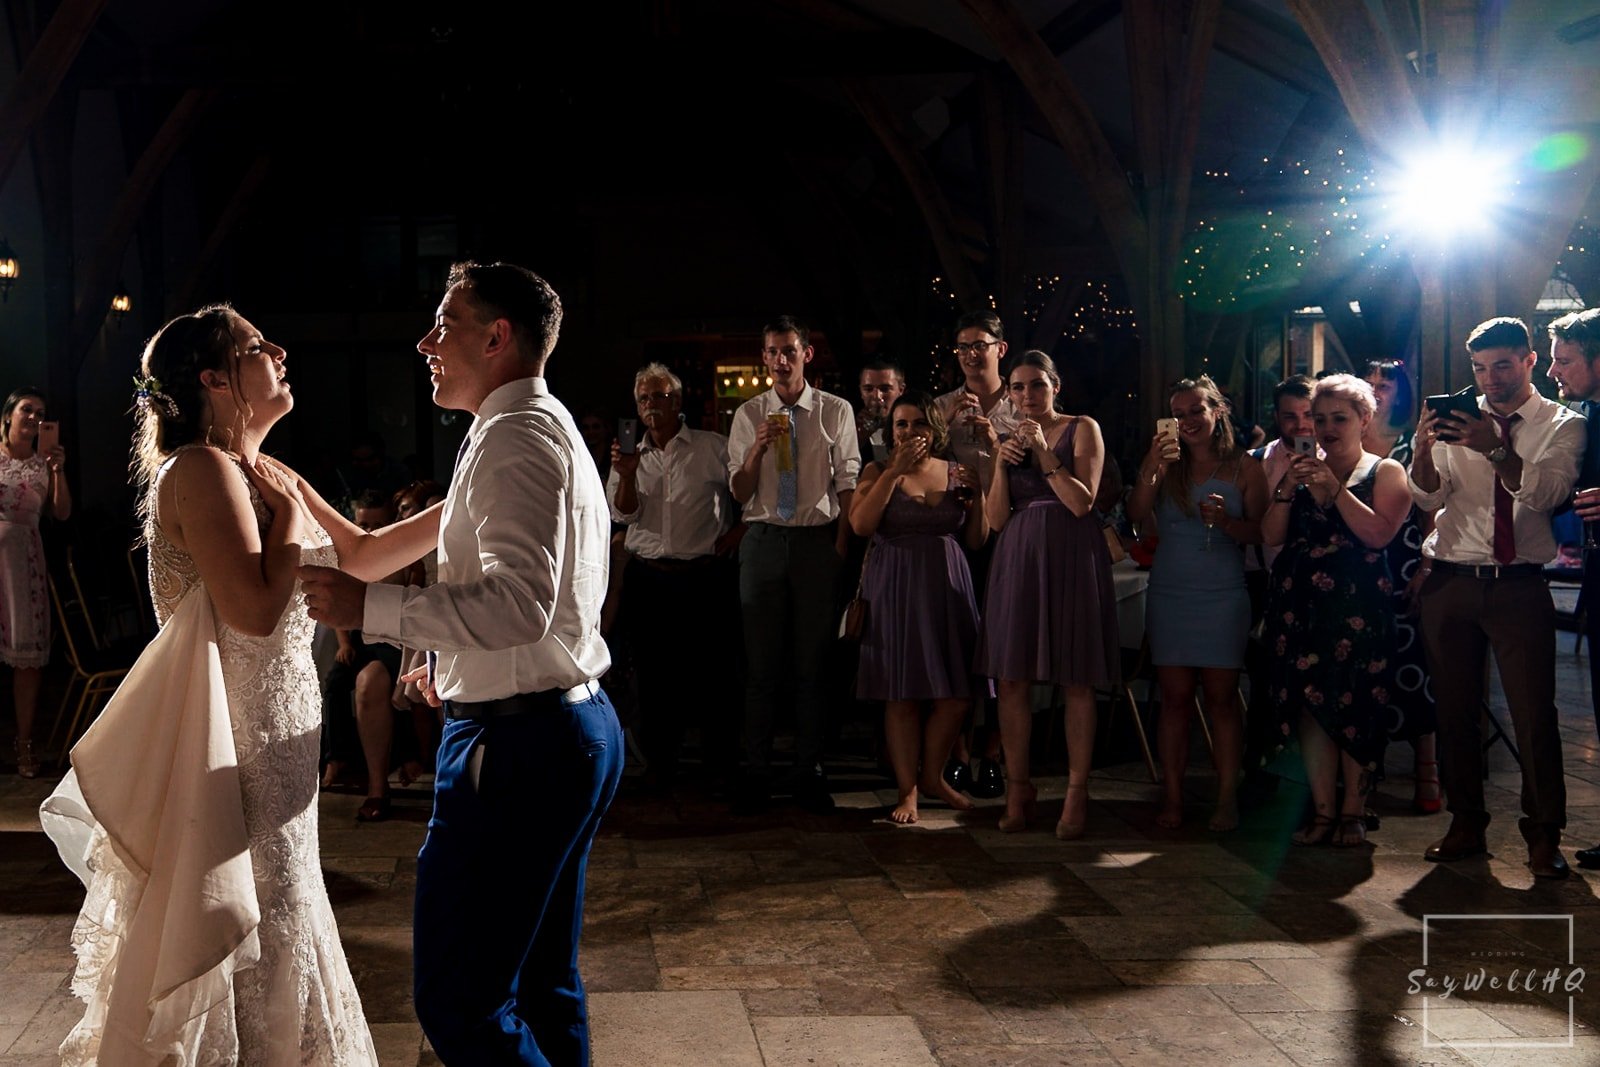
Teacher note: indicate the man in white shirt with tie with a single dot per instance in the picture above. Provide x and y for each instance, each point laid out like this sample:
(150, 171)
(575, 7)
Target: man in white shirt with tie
(793, 458)
(531, 752)
(1494, 479)
(679, 595)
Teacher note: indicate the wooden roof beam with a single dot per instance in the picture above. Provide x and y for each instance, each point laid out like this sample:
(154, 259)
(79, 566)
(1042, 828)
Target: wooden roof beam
(47, 63)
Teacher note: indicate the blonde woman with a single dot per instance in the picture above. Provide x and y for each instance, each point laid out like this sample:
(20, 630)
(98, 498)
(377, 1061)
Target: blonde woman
(1205, 496)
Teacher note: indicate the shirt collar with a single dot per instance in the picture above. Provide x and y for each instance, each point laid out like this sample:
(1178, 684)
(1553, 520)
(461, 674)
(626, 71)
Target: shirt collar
(1531, 409)
(507, 396)
(807, 396)
(647, 444)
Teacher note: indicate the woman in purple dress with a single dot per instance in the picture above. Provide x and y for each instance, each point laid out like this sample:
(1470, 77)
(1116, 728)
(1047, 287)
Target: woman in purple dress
(31, 485)
(922, 619)
(1050, 615)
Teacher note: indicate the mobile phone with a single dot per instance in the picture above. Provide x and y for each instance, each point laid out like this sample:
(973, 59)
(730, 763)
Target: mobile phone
(49, 437)
(1464, 404)
(1168, 427)
(627, 436)
(1305, 446)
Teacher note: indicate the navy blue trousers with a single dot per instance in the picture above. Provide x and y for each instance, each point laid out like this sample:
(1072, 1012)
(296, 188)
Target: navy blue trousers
(500, 885)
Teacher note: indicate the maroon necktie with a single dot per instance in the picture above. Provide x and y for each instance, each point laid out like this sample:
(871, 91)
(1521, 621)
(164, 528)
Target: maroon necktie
(1505, 536)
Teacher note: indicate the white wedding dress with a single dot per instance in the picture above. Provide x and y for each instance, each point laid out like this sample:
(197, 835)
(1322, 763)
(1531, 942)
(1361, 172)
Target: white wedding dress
(191, 812)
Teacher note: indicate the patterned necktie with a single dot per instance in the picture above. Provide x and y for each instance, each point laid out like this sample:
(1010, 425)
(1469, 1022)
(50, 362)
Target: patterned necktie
(789, 474)
(1505, 538)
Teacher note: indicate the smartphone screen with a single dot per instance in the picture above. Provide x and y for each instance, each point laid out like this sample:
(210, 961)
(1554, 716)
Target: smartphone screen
(49, 436)
(628, 436)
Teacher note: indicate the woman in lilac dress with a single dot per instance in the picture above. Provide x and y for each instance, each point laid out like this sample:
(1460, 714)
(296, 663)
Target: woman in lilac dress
(31, 485)
(1050, 614)
(922, 619)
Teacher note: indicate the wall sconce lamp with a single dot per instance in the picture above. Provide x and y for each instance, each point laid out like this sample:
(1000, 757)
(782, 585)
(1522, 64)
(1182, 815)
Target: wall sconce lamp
(8, 269)
(121, 304)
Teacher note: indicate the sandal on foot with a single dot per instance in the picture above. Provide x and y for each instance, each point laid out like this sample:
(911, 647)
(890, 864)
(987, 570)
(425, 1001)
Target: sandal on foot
(1316, 832)
(1352, 832)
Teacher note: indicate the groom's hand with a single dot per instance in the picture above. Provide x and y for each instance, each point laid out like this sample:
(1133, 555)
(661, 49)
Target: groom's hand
(333, 598)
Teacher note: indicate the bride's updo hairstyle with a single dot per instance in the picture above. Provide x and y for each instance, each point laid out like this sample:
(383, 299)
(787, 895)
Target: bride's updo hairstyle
(170, 405)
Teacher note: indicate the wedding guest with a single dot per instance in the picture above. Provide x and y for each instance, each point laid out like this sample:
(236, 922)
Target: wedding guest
(32, 485)
(1050, 612)
(1329, 625)
(1206, 496)
(922, 619)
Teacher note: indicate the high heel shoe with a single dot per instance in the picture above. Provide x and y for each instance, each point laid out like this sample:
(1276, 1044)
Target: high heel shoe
(1070, 829)
(1427, 805)
(27, 762)
(1021, 795)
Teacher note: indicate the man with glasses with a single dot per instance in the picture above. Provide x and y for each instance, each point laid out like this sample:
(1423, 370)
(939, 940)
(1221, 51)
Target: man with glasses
(882, 382)
(678, 595)
(979, 404)
(793, 457)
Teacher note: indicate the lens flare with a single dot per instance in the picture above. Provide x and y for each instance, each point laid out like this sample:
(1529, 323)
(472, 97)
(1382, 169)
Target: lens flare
(1560, 151)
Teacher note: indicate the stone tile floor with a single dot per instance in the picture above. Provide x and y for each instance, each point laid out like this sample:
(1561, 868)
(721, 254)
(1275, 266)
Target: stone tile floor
(795, 939)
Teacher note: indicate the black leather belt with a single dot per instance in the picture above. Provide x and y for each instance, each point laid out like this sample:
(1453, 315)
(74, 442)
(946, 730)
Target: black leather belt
(521, 704)
(1490, 570)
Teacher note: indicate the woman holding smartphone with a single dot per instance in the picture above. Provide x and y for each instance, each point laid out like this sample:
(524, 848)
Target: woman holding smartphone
(1050, 614)
(32, 484)
(1330, 630)
(1206, 496)
(922, 619)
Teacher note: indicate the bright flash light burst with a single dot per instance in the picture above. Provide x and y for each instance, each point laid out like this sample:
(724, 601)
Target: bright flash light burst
(1448, 192)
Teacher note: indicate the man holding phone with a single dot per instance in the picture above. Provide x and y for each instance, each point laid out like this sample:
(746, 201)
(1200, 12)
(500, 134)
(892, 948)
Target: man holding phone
(679, 592)
(1494, 477)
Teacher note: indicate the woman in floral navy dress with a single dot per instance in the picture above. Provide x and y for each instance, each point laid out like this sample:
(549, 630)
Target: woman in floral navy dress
(1328, 621)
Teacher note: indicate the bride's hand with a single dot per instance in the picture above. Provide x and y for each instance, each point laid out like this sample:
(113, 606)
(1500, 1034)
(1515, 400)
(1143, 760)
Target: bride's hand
(281, 494)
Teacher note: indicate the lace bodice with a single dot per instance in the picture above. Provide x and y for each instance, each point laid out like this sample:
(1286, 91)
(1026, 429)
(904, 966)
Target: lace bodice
(24, 484)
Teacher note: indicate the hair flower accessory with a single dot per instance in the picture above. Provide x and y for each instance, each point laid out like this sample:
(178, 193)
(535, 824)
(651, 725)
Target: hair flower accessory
(147, 395)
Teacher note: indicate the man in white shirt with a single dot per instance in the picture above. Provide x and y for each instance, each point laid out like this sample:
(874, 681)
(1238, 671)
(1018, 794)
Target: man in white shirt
(882, 383)
(679, 593)
(793, 458)
(531, 752)
(981, 403)
(1494, 479)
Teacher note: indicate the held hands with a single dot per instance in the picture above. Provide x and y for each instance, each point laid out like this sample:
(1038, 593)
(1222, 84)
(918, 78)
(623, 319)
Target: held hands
(333, 598)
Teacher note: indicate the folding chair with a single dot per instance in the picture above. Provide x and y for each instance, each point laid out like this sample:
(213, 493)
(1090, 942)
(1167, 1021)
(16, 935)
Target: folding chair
(95, 675)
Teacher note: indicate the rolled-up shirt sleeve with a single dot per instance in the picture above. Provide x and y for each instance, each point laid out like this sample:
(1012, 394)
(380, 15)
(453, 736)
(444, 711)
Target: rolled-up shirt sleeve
(516, 493)
(1421, 497)
(1548, 480)
(626, 518)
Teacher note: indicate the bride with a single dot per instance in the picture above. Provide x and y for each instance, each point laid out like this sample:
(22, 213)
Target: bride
(190, 813)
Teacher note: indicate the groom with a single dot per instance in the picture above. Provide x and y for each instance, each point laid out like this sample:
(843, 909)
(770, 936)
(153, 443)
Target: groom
(531, 752)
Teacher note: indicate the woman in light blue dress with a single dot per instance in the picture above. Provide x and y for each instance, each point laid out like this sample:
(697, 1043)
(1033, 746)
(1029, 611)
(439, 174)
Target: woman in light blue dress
(1205, 496)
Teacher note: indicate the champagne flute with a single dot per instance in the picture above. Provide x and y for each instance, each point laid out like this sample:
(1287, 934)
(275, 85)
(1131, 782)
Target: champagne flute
(1211, 513)
(1588, 527)
(964, 492)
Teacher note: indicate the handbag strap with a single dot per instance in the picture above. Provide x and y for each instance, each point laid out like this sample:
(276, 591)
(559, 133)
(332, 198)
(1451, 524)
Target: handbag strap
(861, 579)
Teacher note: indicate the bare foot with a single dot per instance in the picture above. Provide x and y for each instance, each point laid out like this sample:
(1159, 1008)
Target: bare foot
(1021, 800)
(1226, 817)
(1170, 817)
(905, 812)
(939, 789)
(331, 773)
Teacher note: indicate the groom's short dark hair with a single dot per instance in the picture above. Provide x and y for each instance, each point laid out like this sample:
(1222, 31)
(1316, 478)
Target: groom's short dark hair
(516, 294)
